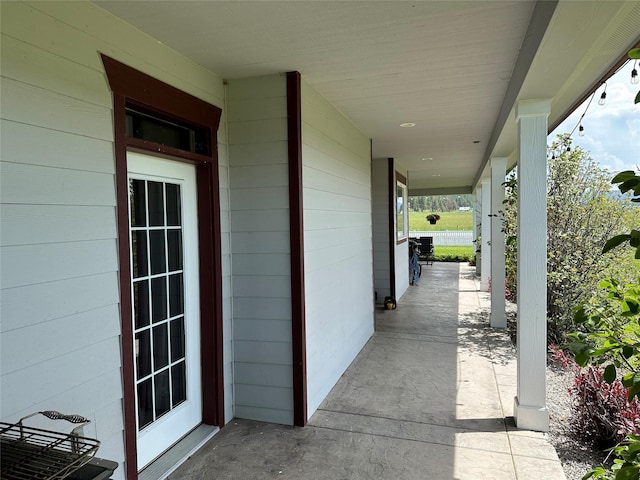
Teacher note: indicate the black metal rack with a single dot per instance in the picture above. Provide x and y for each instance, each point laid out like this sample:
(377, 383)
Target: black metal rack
(30, 453)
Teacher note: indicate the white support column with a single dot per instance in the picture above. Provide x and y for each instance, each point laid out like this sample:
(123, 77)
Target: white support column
(477, 214)
(485, 222)
(530, 409)
(498, 304)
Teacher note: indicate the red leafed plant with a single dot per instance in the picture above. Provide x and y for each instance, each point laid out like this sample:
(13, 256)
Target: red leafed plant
(601, 411)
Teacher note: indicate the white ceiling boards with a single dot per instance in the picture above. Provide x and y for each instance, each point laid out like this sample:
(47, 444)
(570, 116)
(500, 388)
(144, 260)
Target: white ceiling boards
(454, 69)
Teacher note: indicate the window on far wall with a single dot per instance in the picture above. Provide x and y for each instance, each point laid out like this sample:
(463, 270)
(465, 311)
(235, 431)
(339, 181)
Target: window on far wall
(402, 223)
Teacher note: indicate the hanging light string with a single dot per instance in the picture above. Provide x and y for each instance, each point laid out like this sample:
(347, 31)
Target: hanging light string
(603, 96)
(579, 124)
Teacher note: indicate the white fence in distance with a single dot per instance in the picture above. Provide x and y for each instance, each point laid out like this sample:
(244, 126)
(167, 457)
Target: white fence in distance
(446, 237)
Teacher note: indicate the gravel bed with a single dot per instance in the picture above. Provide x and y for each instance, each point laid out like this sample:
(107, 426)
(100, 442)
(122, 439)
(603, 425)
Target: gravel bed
(576, 456)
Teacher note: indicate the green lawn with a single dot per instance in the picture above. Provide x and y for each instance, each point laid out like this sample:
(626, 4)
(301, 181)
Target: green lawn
(448, 221)
(444, 253)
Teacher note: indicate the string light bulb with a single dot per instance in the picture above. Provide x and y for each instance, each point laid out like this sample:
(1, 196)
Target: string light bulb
(603, 98)
(581, 130)
(634, 75)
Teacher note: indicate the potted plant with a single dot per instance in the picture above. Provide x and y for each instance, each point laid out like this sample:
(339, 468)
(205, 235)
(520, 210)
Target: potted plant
(433, 218)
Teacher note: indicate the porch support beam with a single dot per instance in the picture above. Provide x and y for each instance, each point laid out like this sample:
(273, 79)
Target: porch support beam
(477, 213)
(530, 408)
(498, 304)
(485, 232)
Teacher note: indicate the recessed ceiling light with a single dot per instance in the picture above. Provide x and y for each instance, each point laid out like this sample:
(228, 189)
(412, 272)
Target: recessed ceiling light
(427, 159)
(407, 125)
(435, 175)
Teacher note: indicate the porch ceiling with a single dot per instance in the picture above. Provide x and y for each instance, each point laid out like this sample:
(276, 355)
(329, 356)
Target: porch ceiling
(454, 69)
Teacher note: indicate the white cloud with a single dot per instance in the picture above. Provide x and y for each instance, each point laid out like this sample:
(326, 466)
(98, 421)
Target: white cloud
(611, 131)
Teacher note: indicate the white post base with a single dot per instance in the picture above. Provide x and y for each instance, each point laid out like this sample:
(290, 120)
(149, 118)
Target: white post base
(529, 417)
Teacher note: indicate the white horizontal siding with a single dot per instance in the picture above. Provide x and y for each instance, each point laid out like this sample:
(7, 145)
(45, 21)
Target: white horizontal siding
(268, 286)
(332, 219)
(327, 238)
(261, 264)
(278, 375)
(338, 243)
(339, 202)
(77, 31)
(259, 179)
(37, 185)
(40, 382)
(257, 154)
(284, 417)
(269, 330)
(55, 223)
(260, 220)
(318, 179)
(52, 72)
(261, 308)
(29, 264)
(29, 305)
(270, 198)
(60, 314)
(260, 242)
(265, 397)
(254, 108)
(33, 145)
(51, 339)
(259, 176)
(257, 131)
(25, 103)
(262, 352)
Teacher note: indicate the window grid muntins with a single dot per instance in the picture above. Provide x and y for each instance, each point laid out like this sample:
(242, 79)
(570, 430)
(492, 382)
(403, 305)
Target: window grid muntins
(158, 294)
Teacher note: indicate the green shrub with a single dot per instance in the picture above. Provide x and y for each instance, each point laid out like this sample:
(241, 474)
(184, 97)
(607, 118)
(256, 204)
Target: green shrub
(610, 339)
(581, 215)
(443, 253)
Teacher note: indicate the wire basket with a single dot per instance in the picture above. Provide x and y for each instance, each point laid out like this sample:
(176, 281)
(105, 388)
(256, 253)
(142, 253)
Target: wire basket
(29, 453)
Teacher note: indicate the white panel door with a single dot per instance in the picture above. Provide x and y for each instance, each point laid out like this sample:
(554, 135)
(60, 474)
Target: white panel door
(165, 301)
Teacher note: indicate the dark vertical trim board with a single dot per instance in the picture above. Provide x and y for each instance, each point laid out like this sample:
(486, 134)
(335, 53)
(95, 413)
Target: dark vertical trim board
(296, 232)
(391, 174)
(131, 87)
(373, 243)
(122, 196)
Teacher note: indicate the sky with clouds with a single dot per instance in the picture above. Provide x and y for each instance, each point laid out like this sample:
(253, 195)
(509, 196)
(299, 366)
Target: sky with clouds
(612, 130)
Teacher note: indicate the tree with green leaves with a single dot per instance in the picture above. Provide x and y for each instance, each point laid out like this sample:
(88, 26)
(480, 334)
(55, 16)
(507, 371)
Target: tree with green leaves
(582, 214)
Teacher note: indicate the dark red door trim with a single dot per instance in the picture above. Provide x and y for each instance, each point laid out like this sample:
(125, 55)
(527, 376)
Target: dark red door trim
(296, 232)
(391, 174)
(131, 87)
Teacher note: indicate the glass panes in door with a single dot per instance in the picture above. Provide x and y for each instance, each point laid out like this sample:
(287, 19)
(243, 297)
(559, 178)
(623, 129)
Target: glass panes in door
(158, 298)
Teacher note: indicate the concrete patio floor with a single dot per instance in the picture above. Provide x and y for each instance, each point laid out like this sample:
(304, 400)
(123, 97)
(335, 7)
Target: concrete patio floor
(429, 397)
